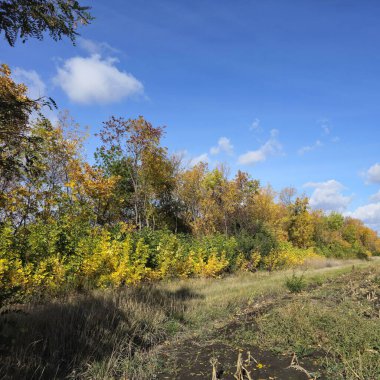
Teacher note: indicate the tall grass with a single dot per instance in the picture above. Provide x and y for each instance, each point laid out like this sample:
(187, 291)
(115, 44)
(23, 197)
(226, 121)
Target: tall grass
(114, 334)
(100, 335)
(337, 324)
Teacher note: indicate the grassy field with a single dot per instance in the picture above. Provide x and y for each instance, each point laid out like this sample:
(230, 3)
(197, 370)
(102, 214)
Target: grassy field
(323, 322)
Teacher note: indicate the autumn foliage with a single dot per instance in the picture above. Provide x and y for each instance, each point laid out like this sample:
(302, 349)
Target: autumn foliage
(138, 214)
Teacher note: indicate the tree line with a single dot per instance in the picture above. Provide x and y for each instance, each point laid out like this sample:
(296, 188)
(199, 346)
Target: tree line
(139, 213)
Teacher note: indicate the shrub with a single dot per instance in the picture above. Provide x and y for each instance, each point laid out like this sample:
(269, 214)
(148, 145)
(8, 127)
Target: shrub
(262, 241)
(295, 284)
(116, 263)
(287, 256)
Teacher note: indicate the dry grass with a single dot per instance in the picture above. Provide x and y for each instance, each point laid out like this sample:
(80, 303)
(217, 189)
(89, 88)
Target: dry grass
(326, 262)
(338, 323)
(114, 334)
(220, 299)
(97, 336)
(242, 372)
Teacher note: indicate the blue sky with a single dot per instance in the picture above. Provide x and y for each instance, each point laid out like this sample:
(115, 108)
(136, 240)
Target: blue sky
(288, 90)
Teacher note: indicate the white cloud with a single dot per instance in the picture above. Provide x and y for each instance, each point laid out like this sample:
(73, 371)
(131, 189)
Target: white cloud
(324, 139)
(373, 173)
(224, 145)
(309, 148)
(369, 214)
(328, 196)
(375, 197)
(93, 79)
(95, 47)
(270, 148)
(36, 86)
(255, 125)
(36, 89)
(198, 159)
(181, 153)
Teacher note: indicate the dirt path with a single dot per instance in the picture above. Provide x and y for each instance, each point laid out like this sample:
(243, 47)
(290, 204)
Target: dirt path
(191, 359)
(194, 358)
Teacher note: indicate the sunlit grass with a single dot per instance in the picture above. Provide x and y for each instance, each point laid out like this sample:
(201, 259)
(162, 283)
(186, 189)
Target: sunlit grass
(117, 334)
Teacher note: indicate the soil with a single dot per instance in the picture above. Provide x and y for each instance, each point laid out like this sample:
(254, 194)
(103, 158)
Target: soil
(188, 360)
(193, 362)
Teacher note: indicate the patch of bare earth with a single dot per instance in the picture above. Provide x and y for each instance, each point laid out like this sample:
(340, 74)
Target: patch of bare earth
(222, 355)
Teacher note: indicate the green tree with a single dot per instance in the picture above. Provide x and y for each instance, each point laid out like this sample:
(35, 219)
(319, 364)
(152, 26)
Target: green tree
(131, 150)
(33, 18)
(335, 221)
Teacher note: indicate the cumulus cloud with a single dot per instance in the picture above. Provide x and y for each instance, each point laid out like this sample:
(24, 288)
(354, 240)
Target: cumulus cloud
(328, 196)
(270, 148)
(309, 148)
(36, 86)
(224, 145)
(198, 159)
(96, 80)
(369, 214)
(373, 173)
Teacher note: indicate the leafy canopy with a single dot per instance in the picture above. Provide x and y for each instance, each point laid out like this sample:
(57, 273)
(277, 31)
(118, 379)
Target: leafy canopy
(32, 18)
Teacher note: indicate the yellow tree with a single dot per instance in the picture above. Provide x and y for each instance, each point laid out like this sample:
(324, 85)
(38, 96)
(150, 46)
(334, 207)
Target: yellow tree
(265, 211)
(92, 188)
(15, 110)
(215, 202)
(243, 194)
(189, 193)
(300, 224)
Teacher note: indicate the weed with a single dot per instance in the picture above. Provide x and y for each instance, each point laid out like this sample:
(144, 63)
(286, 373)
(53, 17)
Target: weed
(337, 323)
(295, 364)
(242, 372)
(295, 284)
(214, 363)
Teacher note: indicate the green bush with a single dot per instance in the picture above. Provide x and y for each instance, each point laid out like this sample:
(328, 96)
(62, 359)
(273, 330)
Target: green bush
(295, 284)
